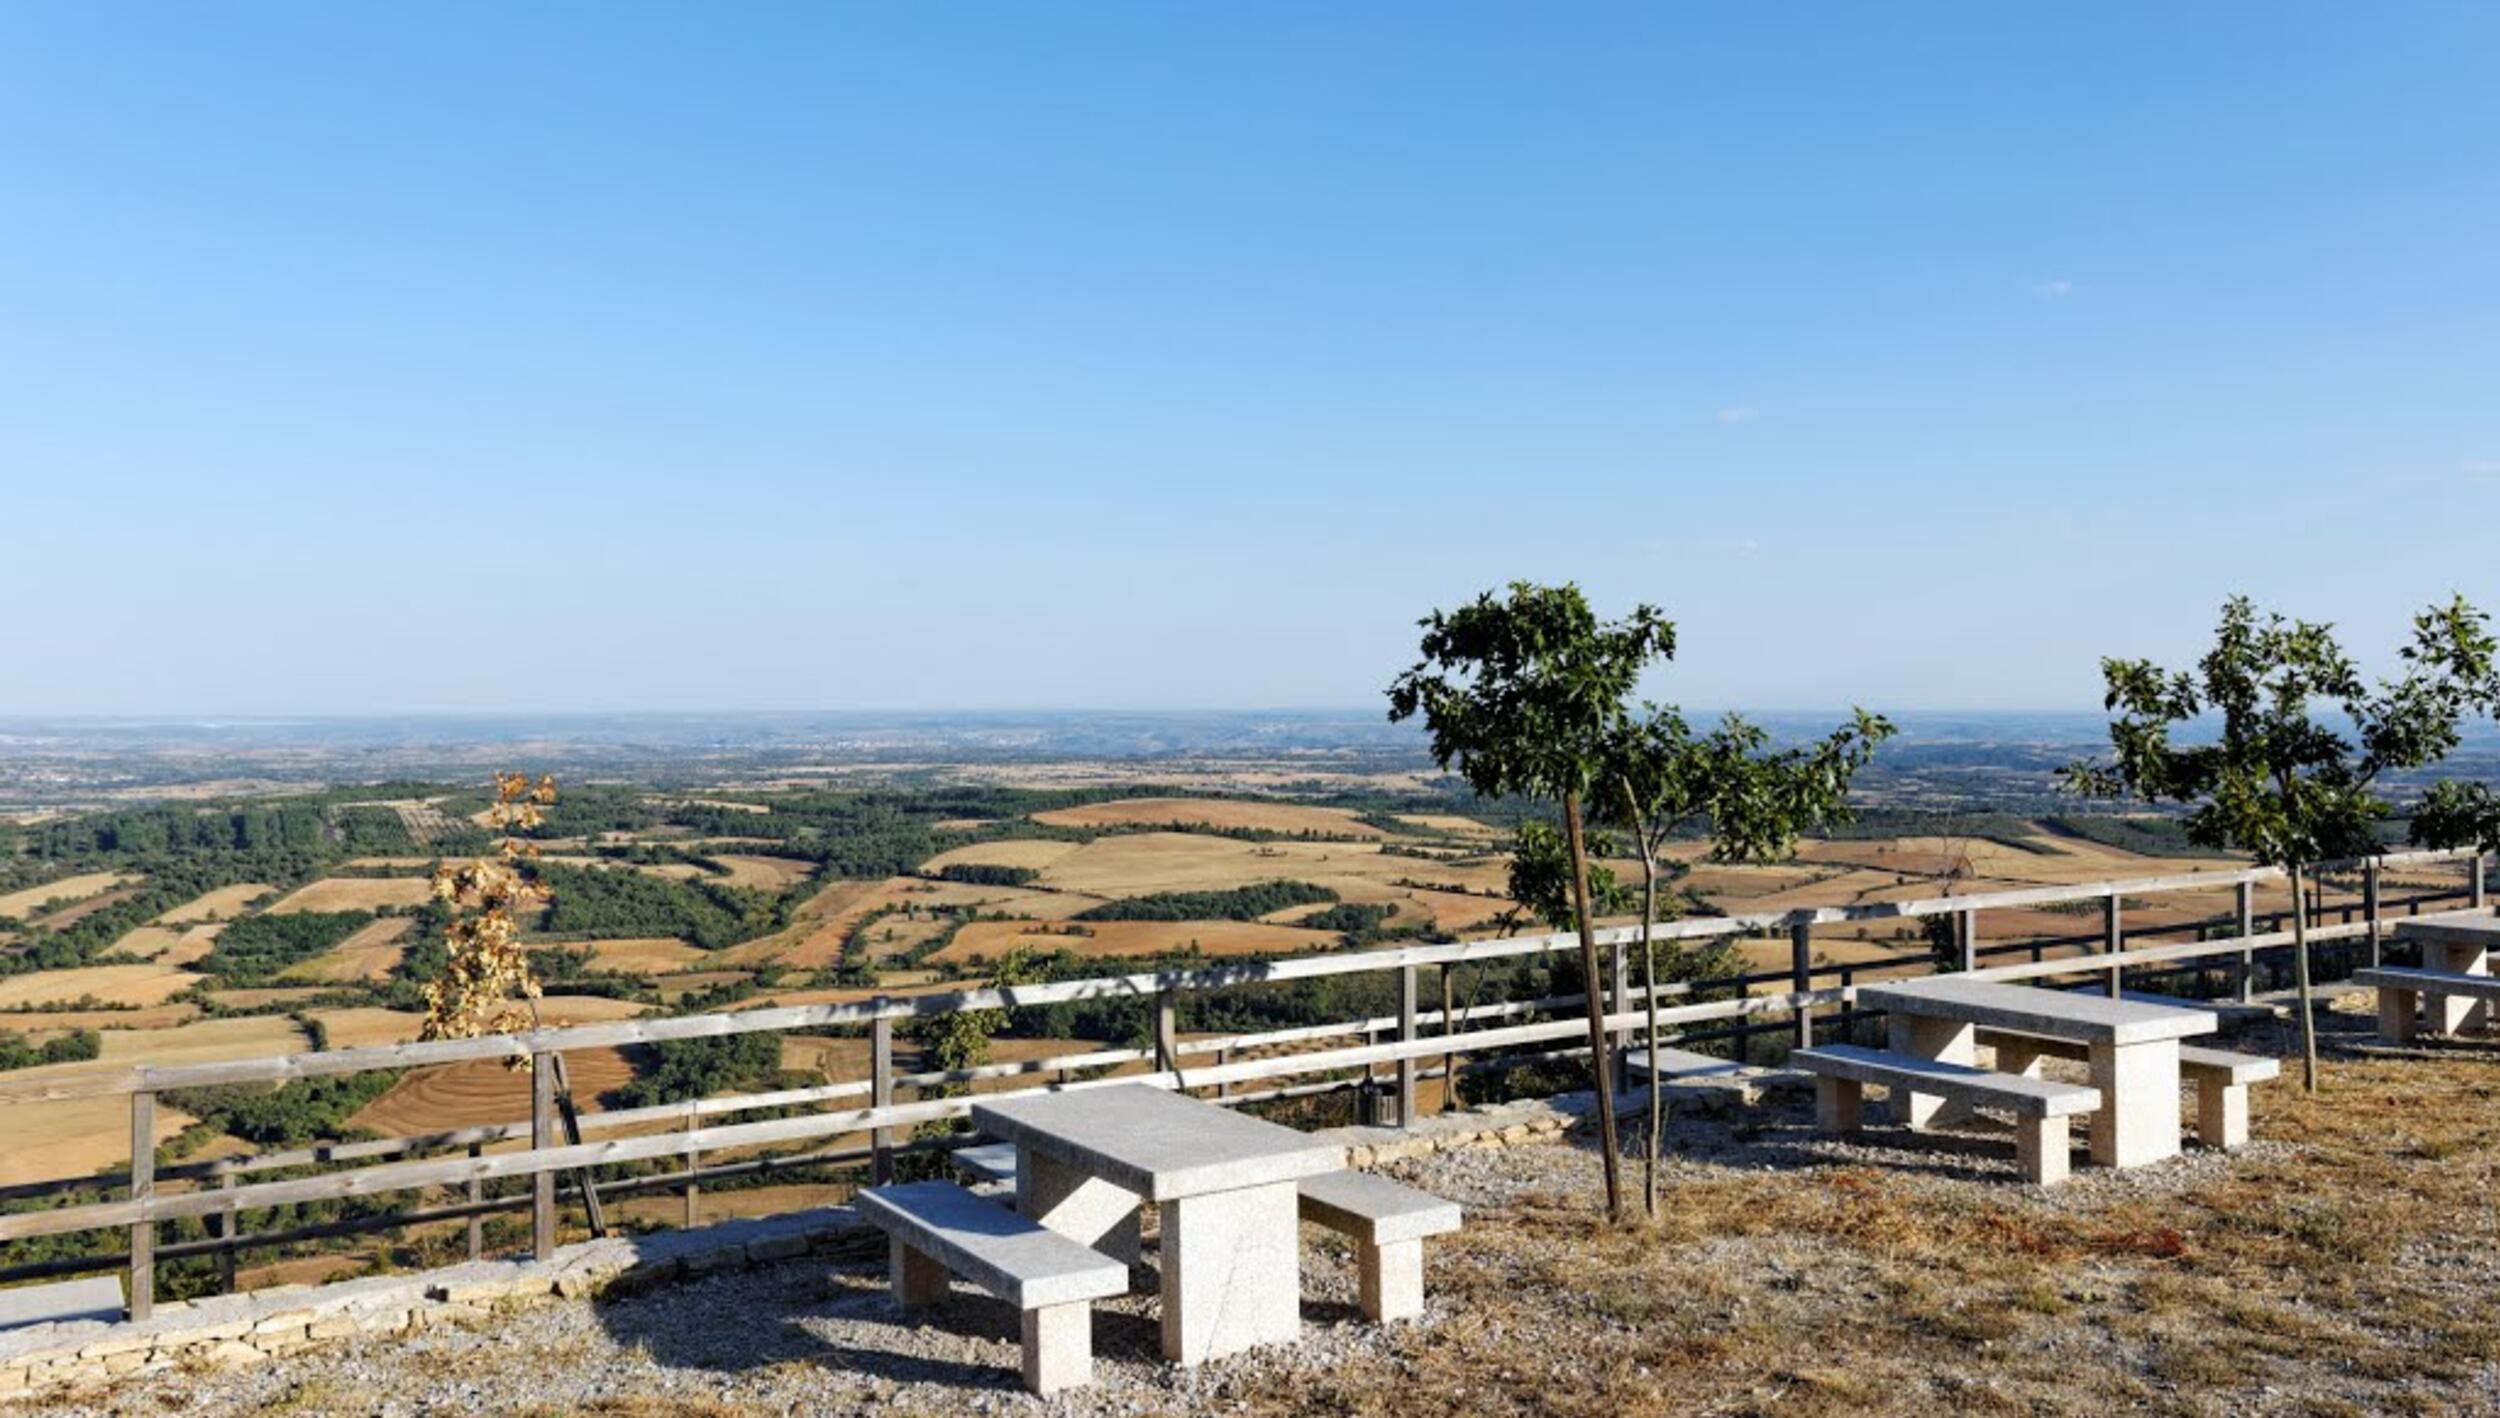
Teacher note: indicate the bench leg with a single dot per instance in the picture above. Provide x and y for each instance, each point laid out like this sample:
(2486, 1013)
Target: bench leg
(2395, 1015)
(2221, 1113)
(1079, 1206)
(2138, 1120)
(1392, 1280)
(1232, 1272)
(1945, 1039)
(918, 1280)
(2019, 1056)
(1838, 1103)
(2043, 1147)
(1058, 1347)
(2455, 1014)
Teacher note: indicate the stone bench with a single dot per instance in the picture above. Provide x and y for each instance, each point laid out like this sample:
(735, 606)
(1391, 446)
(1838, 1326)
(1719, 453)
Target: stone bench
(990, 1165)
(1388, 1223)
(2040, 1106)
(2400, 993)
(937, 1227)
(2221, 1078)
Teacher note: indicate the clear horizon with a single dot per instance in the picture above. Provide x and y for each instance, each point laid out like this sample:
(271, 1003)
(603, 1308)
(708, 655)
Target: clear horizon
(1160, 359)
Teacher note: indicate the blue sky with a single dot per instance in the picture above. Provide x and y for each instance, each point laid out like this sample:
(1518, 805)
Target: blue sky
(818, 356)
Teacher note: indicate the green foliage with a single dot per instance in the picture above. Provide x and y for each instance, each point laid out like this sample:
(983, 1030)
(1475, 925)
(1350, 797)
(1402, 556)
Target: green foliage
(962, 1040)
(1240, 903)
(987, 874)
(259, 947)
(1521, 694)
(1540, 875)
(2277, 783)
(77, 1046)
(620, 903)
(1348, 918)
(1662, 778)
(281, 1115)
(677, 1070)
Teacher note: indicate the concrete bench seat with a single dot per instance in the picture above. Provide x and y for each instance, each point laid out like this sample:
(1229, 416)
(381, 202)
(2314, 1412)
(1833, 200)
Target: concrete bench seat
(986, 1161)
(2221, 1078)
(937, 1227)
(1388, 1223)
(2040, 1107)
(2400, 993)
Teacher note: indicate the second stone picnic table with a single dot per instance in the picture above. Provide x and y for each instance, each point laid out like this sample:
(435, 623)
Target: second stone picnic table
(2133, 1050)
(1224, 1185)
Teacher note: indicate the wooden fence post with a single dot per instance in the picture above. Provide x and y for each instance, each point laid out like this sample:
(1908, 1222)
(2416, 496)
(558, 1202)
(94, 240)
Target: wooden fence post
(694, 1164)
(1408, 1064)
(2113, 940)
(142, 1189)
(2246, 909)
(224, 1225)
(2476, 882)
(1966, 923)
(1800, 979)
(542, 1135)
(477, 1220)
(880, 1094)
(1224, 1056)
(2370, 905)
(1622, 999)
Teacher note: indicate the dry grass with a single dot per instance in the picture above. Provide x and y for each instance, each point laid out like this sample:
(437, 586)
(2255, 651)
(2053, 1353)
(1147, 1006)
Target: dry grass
(2341, 1267)
(149, 984)
(641, 955)
(223, 904)
(483, 1091)
(988, 940)
(1212, 812)
(774, 874)
(19, 905)
(368, 954)
(357, 893)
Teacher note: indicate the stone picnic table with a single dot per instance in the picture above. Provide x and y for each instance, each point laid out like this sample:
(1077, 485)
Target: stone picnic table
(2458, 946)
(1224, 1184)
(2133, 1050)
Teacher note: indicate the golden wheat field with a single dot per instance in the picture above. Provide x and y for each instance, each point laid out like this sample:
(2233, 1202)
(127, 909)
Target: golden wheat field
(223, 904)
(1217, 813)
(148, 984)
(988, 940)
(649, 955)
(356, 893)
(765, 873)
(369, 954)
(86, 1134)
(1030, 853)
(20, 905)
(483, 1091)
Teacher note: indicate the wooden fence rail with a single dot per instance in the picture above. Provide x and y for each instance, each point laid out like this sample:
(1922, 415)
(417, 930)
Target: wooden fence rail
(1415, 1043)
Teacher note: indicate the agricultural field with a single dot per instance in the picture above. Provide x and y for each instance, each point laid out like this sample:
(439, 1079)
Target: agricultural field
(66, 892)
(136, 985)
(356, 893)
(1219, 813)
(1120, 940)
(370, 954)
(223, 904)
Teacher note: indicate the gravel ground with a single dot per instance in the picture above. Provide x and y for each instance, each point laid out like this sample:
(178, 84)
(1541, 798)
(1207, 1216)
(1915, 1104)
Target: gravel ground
(2343, 1263)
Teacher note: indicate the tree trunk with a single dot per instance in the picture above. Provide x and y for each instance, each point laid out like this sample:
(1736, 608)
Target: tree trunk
(2300, 973)
(1599, 1053)
(1649, 993)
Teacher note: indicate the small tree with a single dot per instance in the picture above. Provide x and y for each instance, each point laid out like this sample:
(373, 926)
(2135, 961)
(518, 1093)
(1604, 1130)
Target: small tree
(1522, 695)
(2276, 783)
(1661, 780)
(488, 968)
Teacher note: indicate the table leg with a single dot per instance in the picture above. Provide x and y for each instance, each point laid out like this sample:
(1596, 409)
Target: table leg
(1232, 1272)
(2138, 1120)
(1947, 1039)
(1079, 1205)
(2448, 1014)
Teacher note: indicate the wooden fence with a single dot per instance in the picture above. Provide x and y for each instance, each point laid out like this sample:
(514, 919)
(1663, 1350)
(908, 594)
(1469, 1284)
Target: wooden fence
(1417, 1044)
